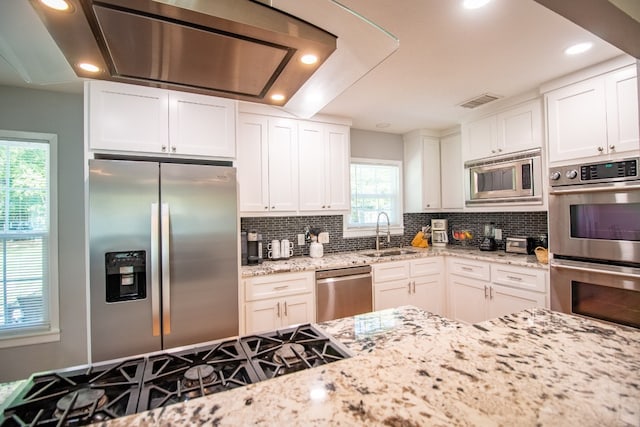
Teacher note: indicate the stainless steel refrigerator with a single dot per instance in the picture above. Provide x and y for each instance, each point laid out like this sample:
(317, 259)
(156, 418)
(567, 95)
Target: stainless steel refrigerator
(163, 255)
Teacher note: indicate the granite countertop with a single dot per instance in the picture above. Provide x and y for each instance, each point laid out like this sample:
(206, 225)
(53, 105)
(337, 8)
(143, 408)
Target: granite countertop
(533, 368)
(350, 259)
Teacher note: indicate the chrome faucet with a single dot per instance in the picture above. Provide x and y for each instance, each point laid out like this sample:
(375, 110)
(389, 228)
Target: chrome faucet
(378, 230)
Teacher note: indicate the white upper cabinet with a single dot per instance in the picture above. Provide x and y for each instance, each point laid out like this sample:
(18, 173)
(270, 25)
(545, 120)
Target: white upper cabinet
(452, 176)
(128, 117)
(515, 129)
(594, 117)
(140, 119)
(421, 173)
(201, 125)
(323, 158)
(267, 164)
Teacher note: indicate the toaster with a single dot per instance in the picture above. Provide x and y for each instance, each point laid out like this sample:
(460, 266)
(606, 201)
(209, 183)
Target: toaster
(520, 245)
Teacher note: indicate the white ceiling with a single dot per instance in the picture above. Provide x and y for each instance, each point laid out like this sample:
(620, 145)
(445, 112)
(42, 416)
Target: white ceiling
(447, 55)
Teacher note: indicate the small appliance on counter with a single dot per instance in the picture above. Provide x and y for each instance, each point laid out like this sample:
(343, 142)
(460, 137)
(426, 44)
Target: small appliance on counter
(489, 241)
(254, 247)
(439, 232)
(520, 245)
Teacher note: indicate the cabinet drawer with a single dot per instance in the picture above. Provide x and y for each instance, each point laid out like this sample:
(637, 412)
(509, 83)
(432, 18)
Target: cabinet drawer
(531, 279)
(469, 268)
(426, 266)
(277, 285)
(388, 271)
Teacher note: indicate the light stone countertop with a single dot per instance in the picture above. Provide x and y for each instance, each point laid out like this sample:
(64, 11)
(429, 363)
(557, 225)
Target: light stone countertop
(350, 259)
(533, 368)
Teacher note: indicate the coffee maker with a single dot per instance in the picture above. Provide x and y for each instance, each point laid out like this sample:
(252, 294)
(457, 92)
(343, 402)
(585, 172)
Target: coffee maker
(439, 232)
(254, 247)
(489, 241)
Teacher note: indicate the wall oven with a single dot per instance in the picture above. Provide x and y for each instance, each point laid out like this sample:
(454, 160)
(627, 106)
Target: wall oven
(594, 230)
(506, 179)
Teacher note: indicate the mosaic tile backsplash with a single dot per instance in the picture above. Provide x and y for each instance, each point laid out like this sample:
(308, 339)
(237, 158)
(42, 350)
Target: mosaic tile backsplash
(512, 224)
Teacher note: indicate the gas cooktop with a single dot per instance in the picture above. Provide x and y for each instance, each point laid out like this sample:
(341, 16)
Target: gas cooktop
(85, 395)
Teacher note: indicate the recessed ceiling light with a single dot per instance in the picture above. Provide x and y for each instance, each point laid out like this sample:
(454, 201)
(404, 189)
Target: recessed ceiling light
(309, 59)
(88, 67)
(474, 4)
(277, 97)
(578, 48)
(60, 5)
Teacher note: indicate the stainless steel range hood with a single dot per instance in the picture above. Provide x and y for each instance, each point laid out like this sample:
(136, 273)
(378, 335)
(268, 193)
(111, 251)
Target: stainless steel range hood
(238, 49)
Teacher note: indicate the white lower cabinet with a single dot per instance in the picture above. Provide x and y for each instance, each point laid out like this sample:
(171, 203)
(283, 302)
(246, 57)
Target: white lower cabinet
(418, 282)
(278, 300)
(480, 290)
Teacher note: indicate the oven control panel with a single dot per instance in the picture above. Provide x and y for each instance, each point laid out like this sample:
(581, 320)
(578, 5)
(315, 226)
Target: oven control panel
(621, 170)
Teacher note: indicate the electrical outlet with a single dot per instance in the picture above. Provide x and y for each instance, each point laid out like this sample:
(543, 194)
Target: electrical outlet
(498, 234)
(301, 240)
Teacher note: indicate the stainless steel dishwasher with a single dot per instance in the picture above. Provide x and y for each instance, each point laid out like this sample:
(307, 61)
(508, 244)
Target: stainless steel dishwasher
(343, 292)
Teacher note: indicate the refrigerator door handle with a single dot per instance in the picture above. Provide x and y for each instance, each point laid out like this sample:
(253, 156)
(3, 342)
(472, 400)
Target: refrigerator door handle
(166, 272)
(155, 270)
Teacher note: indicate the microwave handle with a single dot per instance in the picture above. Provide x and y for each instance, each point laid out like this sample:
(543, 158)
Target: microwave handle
(598, 189)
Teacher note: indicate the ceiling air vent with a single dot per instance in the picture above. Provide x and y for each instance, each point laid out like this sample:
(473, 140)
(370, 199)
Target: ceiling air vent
(479, 100)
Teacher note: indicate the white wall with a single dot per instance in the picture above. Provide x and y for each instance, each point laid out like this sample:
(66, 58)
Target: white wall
(376, 145)
(61, 114)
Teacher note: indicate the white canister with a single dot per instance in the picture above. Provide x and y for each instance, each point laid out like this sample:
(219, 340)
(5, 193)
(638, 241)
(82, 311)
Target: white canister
(286, 248)
(316, 250)
(274, 249)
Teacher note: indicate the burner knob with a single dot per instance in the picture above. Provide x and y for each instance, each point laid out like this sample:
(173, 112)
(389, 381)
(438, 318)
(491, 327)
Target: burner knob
(555, 176)
(571, 174)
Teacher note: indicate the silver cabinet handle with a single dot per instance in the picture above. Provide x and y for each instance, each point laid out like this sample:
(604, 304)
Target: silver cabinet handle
(166, 271)
(612, 147)
(409, 287)
(273, 207)
(164, 148)
(485, 291)
(279, 288)
(467, 268)
(414, 286)
(499, 150)
(323, 207)
(173, 149)
(490, 292)
(328, 206)
(519, 279)
(285, 308)
(278, 309)
(266, 207)
(155, 270)
(600, 149)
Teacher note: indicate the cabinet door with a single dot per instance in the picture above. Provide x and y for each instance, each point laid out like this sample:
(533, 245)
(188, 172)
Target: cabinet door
(429, 293)
(264, 315)
(577, 120)
(337, 181)
(312, 166)
(431, 173)
(126, 117)
(253, 163)
(283, 165)
(520, 128)
(504, 300)
(391, 294)
(298, 309)
(201, 125)
(452, 172)
(622, 110)
(467, 301)
(479, 138)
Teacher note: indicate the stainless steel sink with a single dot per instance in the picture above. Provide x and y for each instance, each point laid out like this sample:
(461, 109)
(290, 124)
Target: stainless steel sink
(394, 252)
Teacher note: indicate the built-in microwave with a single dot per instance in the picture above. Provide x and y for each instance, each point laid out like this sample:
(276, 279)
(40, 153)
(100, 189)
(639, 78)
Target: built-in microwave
(513, 178)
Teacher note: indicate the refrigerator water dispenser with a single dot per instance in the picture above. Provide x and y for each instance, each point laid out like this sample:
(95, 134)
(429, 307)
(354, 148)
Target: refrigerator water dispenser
(126, 275)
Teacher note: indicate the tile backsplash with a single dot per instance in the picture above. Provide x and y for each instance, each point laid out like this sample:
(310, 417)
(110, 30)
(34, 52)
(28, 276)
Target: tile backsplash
(511, 223)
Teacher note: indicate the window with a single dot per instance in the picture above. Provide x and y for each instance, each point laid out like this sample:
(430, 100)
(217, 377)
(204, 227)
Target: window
(28, 272)
(376, 186)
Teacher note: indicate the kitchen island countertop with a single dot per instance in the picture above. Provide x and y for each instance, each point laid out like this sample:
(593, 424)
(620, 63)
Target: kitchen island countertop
(350, 259)
(533, 368)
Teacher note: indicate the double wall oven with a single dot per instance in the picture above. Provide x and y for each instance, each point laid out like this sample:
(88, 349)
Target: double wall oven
(594, 230)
